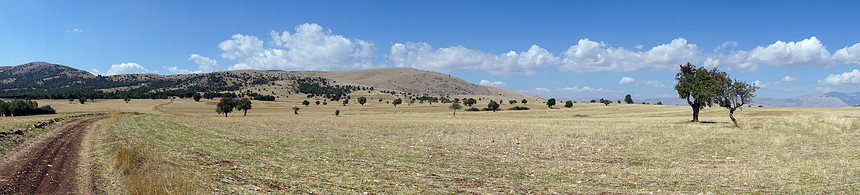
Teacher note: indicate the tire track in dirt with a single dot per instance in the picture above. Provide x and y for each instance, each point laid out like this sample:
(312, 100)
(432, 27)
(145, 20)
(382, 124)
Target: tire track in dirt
(50, 166)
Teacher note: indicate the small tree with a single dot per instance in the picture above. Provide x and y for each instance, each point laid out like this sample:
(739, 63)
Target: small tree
(318, 103)
(550, 102)
(336, 112)
(594, 101)
(71, 100)
(243, 104)
(296, 110)
(455, 107)
(469, 102)
(397, 102)
(568, 104)
(380, 99)
(512, 102)
(619, 101)
(346, 101)
(628, 99)
(493, 105)
(225, 106)
(736, 94)
(126, 99)
(659, 103)
(196, 96)
(607, 102)
(82, 100)
(524, 101)
(306, 103)
(362, 100)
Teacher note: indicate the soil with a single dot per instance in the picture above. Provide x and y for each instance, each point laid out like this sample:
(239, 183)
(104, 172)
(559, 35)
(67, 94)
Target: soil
(49, 166)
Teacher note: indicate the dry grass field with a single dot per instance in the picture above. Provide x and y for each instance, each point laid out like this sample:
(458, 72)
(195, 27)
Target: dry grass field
(378, 148)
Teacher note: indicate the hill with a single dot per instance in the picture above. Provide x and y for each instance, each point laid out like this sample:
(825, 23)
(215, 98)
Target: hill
(41, 80)
(414, 81)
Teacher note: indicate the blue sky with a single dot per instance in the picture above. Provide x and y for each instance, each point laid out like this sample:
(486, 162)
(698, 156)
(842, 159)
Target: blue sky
(562, 49)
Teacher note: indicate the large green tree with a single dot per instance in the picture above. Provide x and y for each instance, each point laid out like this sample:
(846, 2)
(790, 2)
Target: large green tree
(243, 104)
(699, 86)
(628, 99)
(493, 105)
(735, 95)
(225, 106)
(550, 102)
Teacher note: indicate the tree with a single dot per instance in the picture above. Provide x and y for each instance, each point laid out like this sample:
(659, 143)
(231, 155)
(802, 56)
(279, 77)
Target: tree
(455, 107)
(594, 101)
(225, 106)
(336, 112)
(619, 101)
(197, 97)
(306, 103)
(318, 102)
(493, 105)
(296, 110)
(362, 100)
(607, 102)
(469, 102)
(346, 101)
(71, 100)
(243, 104)
(659, 103)
(735, 95)
(699, 86)
(628, 99)
(568, 104)
(126, 99)
(512, 102)
(524, 101)
(396, 102)
(550, 102)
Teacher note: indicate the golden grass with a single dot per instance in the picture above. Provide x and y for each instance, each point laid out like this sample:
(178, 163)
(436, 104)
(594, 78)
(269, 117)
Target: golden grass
(424, 149)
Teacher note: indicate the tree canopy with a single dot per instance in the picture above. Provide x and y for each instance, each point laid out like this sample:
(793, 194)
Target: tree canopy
(699, 86)
(225, 106)
(243, 104)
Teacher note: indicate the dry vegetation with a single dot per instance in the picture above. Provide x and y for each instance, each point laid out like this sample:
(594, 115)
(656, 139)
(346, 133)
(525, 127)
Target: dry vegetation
(163, 147)
(423, 149)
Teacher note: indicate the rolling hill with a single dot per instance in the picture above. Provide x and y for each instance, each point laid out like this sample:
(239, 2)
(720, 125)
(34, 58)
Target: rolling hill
(42, 80)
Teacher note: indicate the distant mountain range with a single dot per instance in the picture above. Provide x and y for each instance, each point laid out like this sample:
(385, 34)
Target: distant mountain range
(832, 99)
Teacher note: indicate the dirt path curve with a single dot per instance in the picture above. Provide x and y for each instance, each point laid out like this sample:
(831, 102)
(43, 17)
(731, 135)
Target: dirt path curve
(49, 167)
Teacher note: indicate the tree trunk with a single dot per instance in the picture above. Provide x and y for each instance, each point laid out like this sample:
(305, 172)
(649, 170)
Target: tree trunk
(455, 112)
(225, 114)
(695, 113)
(246, 113)
(731, 115)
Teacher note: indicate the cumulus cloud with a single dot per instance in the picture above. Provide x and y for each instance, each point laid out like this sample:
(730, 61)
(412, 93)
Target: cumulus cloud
(127, 68)
(845, 79)
(493, 83)
(807, 52)
(585, 89)
(308, 48)
(788, 79)
(422, 56)
(590, 56)
(633, 82)
(626, 81)
(848, 55)
(204, 64)
(541, 89)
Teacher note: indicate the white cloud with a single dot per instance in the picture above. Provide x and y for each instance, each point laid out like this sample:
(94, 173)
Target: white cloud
(807, 52)
(626, 81)
(788, 79)
(633, 82)
(127, 68)
(584, 89)
(848, 55)
(309, 48)
(845, 79)
(177, 70)
(422, 56)
(75, 30)
(493, 83)
(204, 64)
(590, 56)
(759, 84)
(541, 89)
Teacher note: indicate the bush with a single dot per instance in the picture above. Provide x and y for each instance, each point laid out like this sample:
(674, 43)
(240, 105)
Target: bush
(519, 108)
(472, 109)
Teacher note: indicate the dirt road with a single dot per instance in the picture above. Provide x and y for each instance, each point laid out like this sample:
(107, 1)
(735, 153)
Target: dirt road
(49, 166)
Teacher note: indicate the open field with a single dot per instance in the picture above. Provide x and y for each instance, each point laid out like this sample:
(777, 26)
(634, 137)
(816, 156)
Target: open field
(424, 149)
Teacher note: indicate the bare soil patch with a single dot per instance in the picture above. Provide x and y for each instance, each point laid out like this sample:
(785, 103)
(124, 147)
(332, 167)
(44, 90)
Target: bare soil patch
(49, 166)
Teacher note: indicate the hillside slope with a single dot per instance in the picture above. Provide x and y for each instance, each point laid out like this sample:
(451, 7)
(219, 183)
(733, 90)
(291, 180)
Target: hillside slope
(414, 81)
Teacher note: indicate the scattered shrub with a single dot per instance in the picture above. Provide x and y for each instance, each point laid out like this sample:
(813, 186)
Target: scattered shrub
(519, 108)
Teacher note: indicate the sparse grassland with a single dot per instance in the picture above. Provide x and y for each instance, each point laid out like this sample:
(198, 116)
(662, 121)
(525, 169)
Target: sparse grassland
(424, 149)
